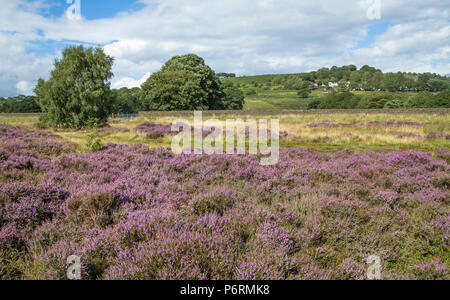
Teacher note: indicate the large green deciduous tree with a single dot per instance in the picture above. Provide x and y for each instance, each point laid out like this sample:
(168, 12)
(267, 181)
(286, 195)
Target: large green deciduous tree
(19, 104)
(78, 92)
(187, 83)
(127, 101)
(208, 81)
(174, 90)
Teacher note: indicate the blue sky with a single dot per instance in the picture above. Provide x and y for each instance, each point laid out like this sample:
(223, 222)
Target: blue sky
(372, 32)
(246, 37)
(92, 9)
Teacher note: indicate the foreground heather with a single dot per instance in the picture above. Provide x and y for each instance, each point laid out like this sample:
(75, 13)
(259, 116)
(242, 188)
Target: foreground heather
(131, 212)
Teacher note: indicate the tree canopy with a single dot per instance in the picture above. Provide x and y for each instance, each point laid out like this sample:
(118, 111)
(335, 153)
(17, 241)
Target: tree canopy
(379, 100)
(19, 104)
(127, 101)
(187, 83)
(174, 90)
(78, 92)
(350, 78)
(304, 89)
(234, 98)
(344, 100)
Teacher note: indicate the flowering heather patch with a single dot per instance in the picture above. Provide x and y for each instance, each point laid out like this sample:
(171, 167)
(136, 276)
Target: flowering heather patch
(153, 130)
(24, 149)
(409, 135)
(132, 212)
(395, 124)
(437, 135)
(329, 124)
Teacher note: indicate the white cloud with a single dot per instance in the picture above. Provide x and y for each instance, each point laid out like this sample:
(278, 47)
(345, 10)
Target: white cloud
(410, 47)
(123, 48)
(242, 36)
(25, 87)
(128, 81)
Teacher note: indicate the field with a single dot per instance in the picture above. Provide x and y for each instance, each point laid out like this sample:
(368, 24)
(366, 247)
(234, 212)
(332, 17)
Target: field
(324, 130)
(275, 100)
(287, 100)
(348, 185)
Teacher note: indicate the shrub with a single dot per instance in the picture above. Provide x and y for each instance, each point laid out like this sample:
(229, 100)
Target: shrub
(314, 104)
(344, 100)
(251, 92)
(94, 143)
(234, 98)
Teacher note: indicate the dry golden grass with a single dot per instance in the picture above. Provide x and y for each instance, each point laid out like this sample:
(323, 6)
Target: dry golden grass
(358, 137)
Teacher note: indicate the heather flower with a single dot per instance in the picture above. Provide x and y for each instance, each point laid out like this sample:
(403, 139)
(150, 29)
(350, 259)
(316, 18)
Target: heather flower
(431, 270)
(134, 212)
(11, 237)
(435, 135)
(153, 130)
(352, 270)
(409, 135)
(395, 124)
(329, 124)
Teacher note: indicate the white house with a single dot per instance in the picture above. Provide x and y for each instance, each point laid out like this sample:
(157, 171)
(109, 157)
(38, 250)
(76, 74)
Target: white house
(333, 84)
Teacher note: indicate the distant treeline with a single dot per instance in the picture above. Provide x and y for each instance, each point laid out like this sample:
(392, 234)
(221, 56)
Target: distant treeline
(130, 101)
(19, 104)
(226, 75)
(125, 101)
(350, 78)
(349, 100)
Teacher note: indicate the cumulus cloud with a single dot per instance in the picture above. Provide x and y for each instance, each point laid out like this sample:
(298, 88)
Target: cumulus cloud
(129, 82)
(241, 36)
(25, 87)
(410, 47)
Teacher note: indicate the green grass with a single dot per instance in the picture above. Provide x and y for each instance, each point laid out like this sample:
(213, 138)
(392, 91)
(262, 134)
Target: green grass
(275, 100)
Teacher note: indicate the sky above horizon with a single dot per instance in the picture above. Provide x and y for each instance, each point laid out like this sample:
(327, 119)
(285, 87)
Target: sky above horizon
(246, 37)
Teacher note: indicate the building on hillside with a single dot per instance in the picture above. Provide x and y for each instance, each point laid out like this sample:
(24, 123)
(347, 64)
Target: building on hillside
(333, 84)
